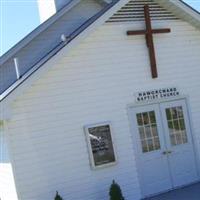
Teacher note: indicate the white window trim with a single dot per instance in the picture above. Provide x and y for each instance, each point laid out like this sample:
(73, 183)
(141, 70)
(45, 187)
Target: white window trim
(91, 157)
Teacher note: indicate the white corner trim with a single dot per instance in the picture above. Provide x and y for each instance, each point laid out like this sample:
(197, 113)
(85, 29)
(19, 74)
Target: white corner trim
(187, 9)
(183, 10)
(5, 111)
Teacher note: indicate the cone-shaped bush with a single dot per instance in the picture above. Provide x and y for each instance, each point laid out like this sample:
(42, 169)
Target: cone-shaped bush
(115, 192)
(58, 197)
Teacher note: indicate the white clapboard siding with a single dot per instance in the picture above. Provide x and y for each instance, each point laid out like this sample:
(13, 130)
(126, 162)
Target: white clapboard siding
(7, 185)
(94, 83)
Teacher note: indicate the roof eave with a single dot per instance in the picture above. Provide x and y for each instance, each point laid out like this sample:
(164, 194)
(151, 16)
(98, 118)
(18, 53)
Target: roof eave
(27, 39)
(183, 11)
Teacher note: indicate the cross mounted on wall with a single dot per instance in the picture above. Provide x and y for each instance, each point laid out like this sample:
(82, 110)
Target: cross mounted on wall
(149, 39)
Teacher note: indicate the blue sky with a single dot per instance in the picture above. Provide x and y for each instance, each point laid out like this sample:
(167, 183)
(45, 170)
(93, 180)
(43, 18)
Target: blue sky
(19, 17)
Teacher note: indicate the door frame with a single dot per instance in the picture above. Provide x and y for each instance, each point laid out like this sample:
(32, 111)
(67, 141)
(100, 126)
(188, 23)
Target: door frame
(133, 131)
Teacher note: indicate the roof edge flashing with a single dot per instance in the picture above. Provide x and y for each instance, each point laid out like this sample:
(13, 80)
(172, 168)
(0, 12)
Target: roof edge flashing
(42, 27)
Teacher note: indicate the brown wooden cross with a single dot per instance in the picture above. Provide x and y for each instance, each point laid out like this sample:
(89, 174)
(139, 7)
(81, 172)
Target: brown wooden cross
(149, 39)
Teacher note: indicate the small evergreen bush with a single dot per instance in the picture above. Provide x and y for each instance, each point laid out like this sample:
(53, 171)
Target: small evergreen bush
(115, 192)
(58, 197)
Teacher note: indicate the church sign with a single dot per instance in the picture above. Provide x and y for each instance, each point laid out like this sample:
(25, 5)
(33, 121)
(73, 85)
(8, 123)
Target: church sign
(100, 145)
(155, 94)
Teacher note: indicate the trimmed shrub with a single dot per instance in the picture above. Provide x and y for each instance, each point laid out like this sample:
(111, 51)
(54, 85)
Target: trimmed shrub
(58, 197)
(115, 192)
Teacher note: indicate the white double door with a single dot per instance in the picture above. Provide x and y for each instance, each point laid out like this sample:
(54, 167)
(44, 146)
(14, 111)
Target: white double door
(165, 151)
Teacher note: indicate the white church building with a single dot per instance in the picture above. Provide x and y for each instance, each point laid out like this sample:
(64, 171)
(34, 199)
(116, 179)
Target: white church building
(102, 90)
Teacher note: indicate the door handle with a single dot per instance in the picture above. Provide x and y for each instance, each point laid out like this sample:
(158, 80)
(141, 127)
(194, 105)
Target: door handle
(166, 152)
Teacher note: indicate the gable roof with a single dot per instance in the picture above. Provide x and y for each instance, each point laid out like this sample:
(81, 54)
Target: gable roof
(29, 51)
(178, 7)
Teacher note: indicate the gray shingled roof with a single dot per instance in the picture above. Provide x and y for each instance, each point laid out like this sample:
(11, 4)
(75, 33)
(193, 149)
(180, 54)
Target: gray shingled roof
(45, 41)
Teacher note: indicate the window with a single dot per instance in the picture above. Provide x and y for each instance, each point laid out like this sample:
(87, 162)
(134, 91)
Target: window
(100, 144)
(148, 131)
(176, 125)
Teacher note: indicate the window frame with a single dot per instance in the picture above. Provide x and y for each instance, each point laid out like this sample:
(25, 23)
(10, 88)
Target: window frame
(89, 146)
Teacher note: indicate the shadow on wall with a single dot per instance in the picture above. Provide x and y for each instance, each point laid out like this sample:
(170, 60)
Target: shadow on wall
(4, 156)
(7, 185)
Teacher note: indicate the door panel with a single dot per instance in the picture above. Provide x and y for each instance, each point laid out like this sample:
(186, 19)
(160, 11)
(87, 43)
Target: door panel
(179, 142)
(165, 153)
(152, 163)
